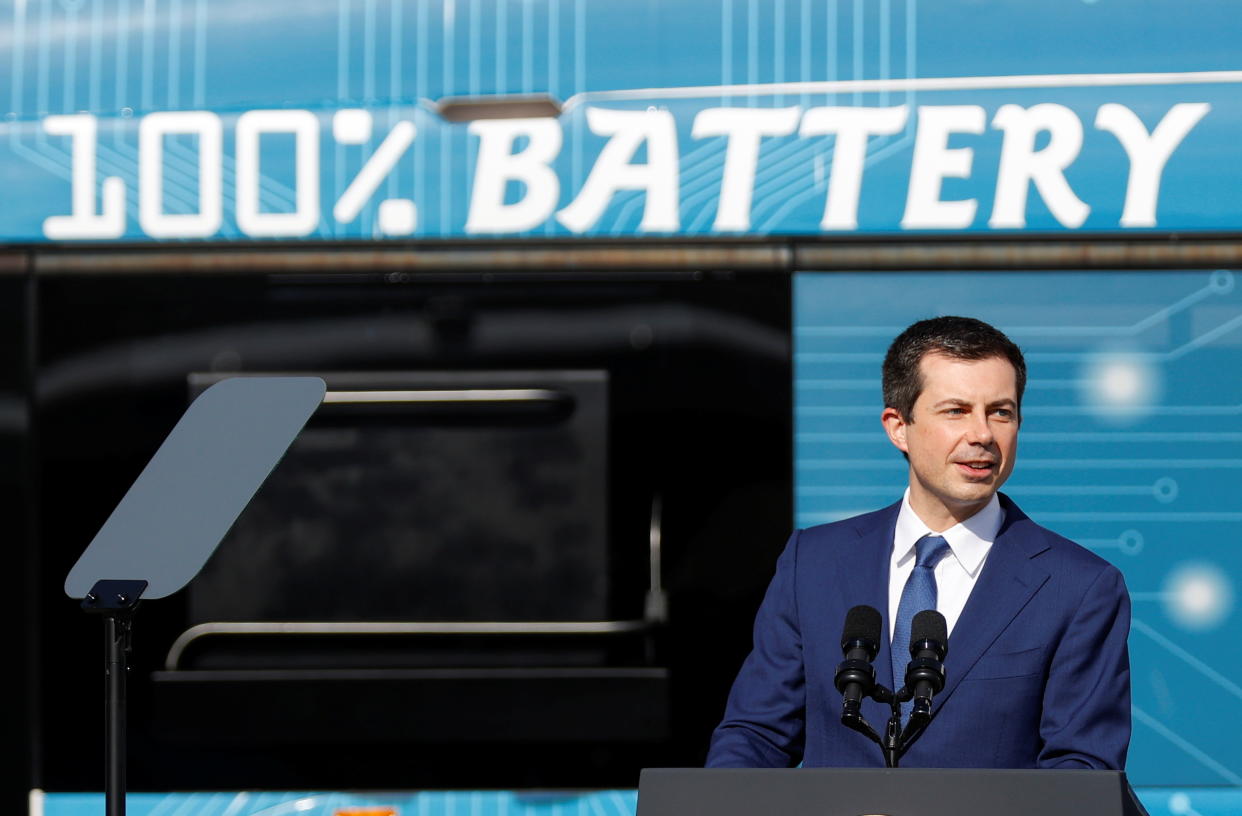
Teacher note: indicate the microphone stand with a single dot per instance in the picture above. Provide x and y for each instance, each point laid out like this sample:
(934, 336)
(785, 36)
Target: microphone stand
(895, 740)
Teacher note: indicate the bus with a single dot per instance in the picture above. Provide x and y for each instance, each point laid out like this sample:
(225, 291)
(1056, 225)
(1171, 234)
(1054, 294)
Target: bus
(686, 231)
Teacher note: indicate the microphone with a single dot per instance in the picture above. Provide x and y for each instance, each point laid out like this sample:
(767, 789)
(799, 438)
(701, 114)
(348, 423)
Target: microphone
(929, 643)
(860, 641)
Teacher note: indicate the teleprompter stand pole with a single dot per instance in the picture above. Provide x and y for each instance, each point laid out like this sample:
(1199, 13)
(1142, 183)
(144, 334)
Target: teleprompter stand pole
(115, 601)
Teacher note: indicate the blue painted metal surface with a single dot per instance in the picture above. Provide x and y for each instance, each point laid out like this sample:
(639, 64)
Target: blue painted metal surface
(1131, 444)
(1158, 801)
(323, 803)
(967, 86)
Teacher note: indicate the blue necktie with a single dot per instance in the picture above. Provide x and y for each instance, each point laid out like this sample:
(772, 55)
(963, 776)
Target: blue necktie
(918, 594)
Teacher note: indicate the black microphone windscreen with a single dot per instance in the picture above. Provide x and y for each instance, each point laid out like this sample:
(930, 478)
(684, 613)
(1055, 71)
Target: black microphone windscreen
(862, 623)
(929, 625)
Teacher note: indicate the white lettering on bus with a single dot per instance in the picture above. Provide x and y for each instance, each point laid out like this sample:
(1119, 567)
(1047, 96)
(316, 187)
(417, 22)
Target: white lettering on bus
(1021, 164)
(151, 216)
(934, 161)
(744, 128)
(1038, 146)
(853, 127)
(84, 222)
(1148, 153)
(614, 171)
(497, 165)
(251, 126)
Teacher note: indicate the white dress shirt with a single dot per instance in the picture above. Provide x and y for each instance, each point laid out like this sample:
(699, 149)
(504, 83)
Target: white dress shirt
(969, 543)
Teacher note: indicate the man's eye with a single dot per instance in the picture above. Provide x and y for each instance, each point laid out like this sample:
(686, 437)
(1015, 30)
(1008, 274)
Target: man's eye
(1004, 413)
(956, 410)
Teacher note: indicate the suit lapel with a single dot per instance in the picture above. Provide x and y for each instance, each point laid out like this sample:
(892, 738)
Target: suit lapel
(1009, 580)
(866, 563)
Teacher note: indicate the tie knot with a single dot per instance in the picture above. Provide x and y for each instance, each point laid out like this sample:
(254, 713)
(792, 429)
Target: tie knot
(929, 550)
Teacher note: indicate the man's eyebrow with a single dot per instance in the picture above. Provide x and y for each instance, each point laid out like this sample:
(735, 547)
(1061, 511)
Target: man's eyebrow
(960, 401)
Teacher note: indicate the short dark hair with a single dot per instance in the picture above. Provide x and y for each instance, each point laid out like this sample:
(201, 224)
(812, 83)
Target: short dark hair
(962, 338)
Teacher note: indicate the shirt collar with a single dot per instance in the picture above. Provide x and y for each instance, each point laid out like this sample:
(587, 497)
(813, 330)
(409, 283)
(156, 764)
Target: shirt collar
(969, 540)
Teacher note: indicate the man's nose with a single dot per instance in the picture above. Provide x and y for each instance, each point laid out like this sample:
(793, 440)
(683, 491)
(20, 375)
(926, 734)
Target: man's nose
(980, 431)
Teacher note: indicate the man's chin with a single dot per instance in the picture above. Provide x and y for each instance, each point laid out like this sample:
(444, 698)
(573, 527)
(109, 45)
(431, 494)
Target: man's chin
(975, 495)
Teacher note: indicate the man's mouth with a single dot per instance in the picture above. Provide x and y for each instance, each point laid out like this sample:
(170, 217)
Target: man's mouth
(977, 467)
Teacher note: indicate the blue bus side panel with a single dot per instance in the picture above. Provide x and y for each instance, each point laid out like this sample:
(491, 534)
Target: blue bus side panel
(1131, 444)
(118, 63)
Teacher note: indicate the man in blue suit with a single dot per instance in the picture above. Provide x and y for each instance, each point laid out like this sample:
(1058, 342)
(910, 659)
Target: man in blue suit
(1038, 673)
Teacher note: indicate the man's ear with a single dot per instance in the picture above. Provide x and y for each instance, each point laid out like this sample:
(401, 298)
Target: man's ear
(895, 427)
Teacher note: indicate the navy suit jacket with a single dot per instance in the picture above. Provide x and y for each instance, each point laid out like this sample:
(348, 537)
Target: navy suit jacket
(1038, 673)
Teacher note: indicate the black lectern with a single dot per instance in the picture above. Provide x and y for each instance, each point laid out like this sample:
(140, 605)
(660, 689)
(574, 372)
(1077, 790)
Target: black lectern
(882, 791)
